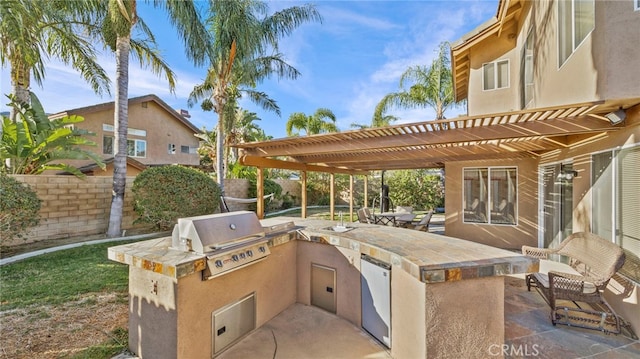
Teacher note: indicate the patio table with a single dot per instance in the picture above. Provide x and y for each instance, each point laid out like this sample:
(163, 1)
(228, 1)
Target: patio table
(393, 217)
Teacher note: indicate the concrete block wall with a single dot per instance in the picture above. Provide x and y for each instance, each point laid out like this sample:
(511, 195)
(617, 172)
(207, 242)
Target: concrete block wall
(73, 207)
(293, 187)
(237, 188)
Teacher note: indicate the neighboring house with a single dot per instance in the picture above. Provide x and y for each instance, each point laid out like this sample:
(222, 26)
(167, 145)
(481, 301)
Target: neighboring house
(554, 55)
(157, 135)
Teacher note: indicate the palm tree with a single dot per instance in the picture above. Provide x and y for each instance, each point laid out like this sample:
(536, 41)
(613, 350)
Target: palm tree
(431, 87)
(34, 144)
(33, 31)
(117, 26)
(376, 122)
(243, 33)
(313, 124)
(243, 130)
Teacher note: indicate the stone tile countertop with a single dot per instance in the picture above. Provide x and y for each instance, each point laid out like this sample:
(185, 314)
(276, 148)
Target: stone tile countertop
(429, 257)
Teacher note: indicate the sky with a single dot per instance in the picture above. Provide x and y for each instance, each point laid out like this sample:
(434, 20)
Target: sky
(348, 63)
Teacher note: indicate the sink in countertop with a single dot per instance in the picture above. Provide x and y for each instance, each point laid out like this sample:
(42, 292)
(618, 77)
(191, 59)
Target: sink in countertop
(339, 229)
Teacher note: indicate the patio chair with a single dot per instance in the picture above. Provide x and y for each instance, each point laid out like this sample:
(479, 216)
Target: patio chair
(365, 216)
(592, 262)
(422, 224)
(362, 217)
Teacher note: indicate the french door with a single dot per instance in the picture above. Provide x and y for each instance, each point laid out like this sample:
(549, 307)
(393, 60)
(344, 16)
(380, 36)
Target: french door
(556, 203)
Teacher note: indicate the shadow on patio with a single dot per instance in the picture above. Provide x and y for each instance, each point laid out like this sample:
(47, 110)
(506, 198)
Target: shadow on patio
(308, 332)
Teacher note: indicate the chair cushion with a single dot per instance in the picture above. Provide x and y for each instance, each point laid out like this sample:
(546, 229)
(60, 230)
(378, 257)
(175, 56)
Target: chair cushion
(543, 278)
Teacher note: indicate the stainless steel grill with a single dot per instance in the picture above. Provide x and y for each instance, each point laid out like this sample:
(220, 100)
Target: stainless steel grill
(230, 241)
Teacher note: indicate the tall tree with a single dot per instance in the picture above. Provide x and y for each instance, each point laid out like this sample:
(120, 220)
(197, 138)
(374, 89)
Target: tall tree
(243, 33)
(120, 20)
(427, 87)
(243, 130)
(322, 121)
(33, 31)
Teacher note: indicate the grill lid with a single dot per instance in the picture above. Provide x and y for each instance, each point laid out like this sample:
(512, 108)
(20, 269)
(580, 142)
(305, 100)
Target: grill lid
(203, 234)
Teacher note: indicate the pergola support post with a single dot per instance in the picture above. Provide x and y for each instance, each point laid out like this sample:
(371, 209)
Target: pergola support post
(351, 198)
(303, 193)
(366, 191)
(260, 194)
(332, 195)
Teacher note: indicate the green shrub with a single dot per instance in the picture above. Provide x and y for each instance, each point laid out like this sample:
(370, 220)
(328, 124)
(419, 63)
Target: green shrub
(163, 194)
(270, 186)
(19, 207)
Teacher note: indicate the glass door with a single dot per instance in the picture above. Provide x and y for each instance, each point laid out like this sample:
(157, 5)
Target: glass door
(556, 203)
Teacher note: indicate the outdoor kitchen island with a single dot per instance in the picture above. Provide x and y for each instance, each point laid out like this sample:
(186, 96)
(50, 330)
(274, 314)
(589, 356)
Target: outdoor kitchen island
(446, 294)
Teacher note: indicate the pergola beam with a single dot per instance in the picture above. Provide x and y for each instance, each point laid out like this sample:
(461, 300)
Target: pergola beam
(262, 162)
(346, 143)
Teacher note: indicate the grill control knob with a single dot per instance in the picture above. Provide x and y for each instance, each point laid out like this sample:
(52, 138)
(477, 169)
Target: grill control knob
(234, 257)
(249, 253)
(218, 263)
(261, 249)
(243, 256)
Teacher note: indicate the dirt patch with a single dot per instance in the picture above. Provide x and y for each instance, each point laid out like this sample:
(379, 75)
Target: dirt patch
(63, 330)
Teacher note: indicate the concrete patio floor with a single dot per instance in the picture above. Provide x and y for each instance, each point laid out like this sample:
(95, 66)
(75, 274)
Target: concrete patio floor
(308, 332)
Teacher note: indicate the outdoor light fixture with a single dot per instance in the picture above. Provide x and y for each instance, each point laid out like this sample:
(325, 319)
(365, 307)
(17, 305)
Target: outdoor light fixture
(616, 117)
(568, 175)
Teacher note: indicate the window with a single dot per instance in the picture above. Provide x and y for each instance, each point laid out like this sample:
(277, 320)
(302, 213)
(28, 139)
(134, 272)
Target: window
(526, 74)
(637, 5)
(495, 75)
(188, 149)
(171, 149)
(615, 179)
(107, 145)
(490, 195)
(576, 19)
(137, 148)
(130, 131)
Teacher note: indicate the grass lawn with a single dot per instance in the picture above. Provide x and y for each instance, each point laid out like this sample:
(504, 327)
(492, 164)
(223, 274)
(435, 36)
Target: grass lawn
(57, 278)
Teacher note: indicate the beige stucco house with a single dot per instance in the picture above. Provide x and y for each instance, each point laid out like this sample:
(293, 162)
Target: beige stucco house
(157, 135)
(550, 144)
(545, 54)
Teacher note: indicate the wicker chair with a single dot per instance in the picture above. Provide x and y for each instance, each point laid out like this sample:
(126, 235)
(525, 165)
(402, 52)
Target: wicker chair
(593, 261)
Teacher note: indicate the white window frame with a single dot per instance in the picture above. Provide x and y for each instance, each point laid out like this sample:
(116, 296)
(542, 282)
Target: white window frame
(523, 80)
(190, 149)
(130, 131)
(572, 34)
(171, 149)
(636, 5)
(135, 146)
(615, 195)
(489, 202)
(495, 75)
(136, 142)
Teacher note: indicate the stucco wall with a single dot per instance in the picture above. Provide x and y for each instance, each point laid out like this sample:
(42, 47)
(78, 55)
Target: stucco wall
(501, 236)
(272, 280)
(602, 67)
(346, 262)
(162, 129)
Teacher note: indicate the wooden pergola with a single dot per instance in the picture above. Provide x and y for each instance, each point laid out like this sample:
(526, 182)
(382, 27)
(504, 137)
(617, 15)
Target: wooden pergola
(430, 144)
